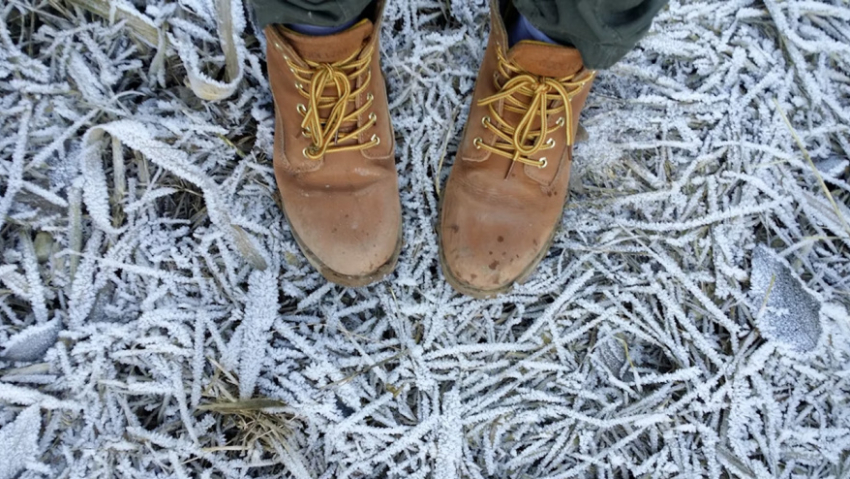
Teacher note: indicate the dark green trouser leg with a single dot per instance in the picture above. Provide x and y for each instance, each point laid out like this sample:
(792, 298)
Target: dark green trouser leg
(320, 13)
(602, 30)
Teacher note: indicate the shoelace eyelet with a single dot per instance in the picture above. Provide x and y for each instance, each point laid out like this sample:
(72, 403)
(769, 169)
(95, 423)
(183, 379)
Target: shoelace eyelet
(329, 135)
(307, 151)
(517, 91)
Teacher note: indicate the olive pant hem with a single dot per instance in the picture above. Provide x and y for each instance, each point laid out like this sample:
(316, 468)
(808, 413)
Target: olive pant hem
(602, 30)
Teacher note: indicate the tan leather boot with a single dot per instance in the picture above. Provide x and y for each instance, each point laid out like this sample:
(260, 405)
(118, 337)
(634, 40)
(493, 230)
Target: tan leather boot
(506, 191)
(334, 150)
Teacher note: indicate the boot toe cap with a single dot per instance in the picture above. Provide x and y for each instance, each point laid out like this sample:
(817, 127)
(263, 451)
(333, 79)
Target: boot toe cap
(488, 253)
(353, 239)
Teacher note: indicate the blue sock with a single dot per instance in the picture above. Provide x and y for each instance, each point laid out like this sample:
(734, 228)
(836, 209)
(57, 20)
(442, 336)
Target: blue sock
(522, 29)
(320, 31)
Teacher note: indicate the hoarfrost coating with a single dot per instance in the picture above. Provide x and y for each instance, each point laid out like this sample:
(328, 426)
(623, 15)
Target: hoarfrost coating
(148, 276)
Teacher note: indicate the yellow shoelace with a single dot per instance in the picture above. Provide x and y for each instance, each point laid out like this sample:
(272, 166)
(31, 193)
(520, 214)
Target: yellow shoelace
(325, 132)
(521, 142)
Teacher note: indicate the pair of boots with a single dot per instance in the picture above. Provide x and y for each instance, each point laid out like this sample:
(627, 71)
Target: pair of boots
(334, 156)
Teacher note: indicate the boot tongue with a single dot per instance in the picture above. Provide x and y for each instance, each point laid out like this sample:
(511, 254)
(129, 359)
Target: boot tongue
(329, 48)
(546, 59)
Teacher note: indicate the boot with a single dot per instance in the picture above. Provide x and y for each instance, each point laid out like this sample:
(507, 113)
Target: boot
(506, 191)
(334, 150)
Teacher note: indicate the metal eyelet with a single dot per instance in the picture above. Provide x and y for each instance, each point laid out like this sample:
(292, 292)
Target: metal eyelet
(373, 117)
(543, 163)
(376, 139)
(560, 121)
(299, 86)
(306, 154)
(485, 121)
(550, 143)
(369, 97)
(477, 143)
(306, 131)
(301, 109)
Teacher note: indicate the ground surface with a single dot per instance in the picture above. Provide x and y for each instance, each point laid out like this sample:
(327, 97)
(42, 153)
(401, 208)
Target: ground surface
(690, 321)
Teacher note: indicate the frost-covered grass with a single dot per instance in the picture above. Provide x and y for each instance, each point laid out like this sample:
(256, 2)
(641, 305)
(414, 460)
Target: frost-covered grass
(158, 320)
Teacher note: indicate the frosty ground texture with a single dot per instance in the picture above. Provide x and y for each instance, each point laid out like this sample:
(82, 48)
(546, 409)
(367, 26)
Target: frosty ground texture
(158, 320)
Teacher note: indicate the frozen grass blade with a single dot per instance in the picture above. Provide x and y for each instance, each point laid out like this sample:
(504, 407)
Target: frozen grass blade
(143, 245)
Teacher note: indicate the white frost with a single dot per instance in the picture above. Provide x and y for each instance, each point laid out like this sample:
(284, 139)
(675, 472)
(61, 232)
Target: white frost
(642, 347)
(19, 440)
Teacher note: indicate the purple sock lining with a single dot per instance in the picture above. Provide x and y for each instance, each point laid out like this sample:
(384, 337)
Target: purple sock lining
(522, 29)
(320, 31)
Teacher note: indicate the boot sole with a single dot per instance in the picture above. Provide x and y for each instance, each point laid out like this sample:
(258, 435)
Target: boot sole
(348, 280)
